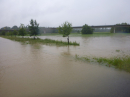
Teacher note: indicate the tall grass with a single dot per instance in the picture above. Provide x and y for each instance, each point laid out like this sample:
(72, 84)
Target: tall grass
(122, 63)
(43, 41)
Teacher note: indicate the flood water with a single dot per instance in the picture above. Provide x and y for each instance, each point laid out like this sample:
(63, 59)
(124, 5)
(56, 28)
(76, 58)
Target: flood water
(52, 71)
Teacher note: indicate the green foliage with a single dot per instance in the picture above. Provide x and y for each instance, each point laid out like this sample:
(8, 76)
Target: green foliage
(86, 29)
(3, 33)
(65, 29)
(9, 33)
(15, 32)
(117, 50)
(112, 30)
(22, 31)
(118, 62)
(33, 28)
(122, 63)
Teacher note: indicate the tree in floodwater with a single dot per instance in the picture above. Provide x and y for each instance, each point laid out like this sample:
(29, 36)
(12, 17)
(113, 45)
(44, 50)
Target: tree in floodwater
(86, 29)
(33, 28)
(65, 29)
(22, 31)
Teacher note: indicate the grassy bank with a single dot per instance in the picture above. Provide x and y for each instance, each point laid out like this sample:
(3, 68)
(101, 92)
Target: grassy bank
(122, 63)
(38, 40)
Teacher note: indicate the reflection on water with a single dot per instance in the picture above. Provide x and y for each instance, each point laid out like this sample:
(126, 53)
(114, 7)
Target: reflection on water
(51, 71)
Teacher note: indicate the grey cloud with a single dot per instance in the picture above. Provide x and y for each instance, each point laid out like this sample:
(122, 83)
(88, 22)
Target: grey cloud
(54, 12)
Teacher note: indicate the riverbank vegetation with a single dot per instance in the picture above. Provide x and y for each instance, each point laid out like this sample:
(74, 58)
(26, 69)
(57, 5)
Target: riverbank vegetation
(122, 63)
(29, 40)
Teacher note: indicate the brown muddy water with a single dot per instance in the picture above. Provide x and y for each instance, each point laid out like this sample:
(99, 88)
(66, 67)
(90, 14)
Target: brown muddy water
(52, 71)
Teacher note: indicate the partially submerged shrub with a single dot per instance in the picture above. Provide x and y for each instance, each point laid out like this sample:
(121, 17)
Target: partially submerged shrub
(119, 62)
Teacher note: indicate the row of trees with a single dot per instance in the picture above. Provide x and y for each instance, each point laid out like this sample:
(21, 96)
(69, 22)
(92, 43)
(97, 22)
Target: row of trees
(11, 28)
(15, 32)
(20, 32)
(32, 30)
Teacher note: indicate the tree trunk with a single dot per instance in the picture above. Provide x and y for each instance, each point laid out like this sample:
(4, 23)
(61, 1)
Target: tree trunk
(34, 37)
(68, 39)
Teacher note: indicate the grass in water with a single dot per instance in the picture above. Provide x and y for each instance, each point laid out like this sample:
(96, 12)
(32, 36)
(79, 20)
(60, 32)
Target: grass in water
(117, 50)
(38, 40)
(122, 63)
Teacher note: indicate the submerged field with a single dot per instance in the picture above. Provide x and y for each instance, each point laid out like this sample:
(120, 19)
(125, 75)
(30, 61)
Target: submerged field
(121, 62)
(42, 70)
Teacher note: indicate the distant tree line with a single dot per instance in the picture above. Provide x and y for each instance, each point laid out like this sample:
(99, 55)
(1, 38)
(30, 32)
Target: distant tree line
(9, 28)
(42, 30)
(12, 31)
(32, 30)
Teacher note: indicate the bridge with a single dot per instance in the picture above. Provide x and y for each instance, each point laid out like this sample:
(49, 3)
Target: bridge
(105, 26)
(100, 26)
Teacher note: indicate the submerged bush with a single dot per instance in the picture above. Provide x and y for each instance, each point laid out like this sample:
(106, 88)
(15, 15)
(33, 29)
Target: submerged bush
(122, 63)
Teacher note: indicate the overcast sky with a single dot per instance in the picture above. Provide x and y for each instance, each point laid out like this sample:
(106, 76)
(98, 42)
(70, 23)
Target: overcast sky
(52, 13)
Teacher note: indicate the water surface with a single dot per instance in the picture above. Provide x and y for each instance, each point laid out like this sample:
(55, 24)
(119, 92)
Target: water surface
(51, 71)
